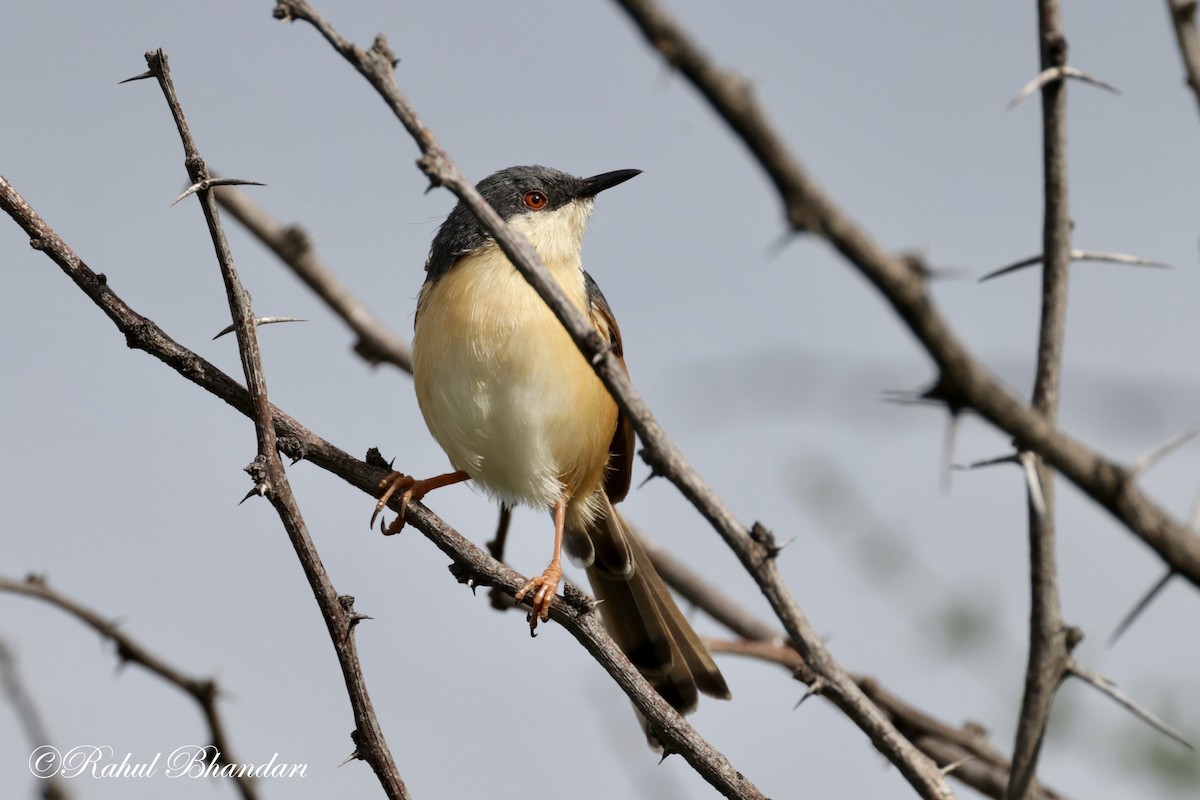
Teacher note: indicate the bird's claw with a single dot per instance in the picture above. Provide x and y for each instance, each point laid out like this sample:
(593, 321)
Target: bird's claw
(395, 482)
(546, 586)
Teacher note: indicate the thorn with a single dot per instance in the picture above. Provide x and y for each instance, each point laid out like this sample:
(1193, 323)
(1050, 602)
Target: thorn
(780, 243)
(1077, 255)
(1080, 75)
(655, 472)
(355, 756)
(1109, 688)
(471, 585)
(814, 688)
(208, 183)
(1013, 267)
(147, 74)
(1117, 258)
(1162, 451)
(259, 321)
(1031, 479)
(948, 439)
(259, 489)
(938, 393)
(908, 397)
(946, 770)
(1139, 607)
(1057, 74)
(1013, 458)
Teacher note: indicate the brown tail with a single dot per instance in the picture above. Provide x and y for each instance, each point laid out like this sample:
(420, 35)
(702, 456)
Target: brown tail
(641, 615)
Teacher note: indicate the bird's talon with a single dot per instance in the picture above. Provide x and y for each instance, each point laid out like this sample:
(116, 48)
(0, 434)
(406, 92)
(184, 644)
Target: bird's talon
(394, 482)
(395, 527)
(546, 585)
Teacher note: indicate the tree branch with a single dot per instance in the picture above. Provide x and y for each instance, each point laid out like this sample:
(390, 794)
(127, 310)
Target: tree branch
(129, 651)
(987, 772)
(1050, 640)
(267, 470)
(966, 382)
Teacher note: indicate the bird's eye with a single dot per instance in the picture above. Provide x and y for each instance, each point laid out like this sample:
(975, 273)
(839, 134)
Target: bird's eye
(535, 201)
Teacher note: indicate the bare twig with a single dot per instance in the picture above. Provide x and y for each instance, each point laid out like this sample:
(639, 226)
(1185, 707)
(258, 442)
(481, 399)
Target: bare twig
(1183, 18)
(966, 380)
(129, 651)
(942, 742)
(1077, 255)
(293, 246)
(945, 744)
(755, 547)
(53, 786)
(1050, 640)
(469, 562)
(267, 469)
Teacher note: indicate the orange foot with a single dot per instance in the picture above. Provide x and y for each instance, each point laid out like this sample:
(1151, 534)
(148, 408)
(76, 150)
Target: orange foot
(547, 587)
(413, 490)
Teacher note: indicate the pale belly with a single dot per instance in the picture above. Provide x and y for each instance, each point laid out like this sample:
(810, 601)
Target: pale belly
(504, 390)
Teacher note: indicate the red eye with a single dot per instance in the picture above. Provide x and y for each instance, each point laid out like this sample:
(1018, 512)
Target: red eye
(535, 200)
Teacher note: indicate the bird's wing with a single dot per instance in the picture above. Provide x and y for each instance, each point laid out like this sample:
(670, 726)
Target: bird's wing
(620, 451)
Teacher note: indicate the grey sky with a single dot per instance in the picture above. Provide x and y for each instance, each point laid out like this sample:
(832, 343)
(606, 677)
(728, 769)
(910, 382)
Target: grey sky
(766, 366)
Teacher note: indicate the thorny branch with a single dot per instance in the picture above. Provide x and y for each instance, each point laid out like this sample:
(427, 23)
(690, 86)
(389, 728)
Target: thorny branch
(129, 651)
(963, 383)
(470, 564)
(964, 380)
(755, 547)
(986, 772)
(1050, 640)
(267, 470)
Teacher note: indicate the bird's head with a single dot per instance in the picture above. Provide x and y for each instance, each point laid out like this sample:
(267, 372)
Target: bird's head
(551, 208)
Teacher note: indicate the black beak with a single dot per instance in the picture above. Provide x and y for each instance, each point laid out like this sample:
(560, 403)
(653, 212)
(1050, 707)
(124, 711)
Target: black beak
(598, 183)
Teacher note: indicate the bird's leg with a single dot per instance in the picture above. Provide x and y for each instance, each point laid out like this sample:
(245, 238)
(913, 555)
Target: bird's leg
(547, 583)
(413, 489)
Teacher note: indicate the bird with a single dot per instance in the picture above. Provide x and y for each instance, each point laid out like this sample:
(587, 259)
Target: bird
(521, 413)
